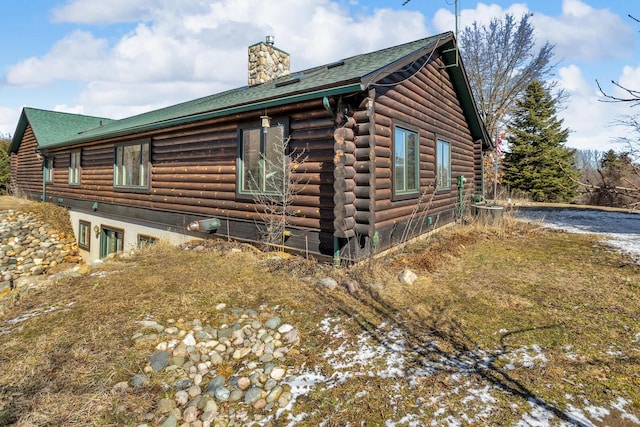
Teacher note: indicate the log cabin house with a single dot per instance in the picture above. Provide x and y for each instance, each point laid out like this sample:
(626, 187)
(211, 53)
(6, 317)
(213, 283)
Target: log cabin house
(392, 145)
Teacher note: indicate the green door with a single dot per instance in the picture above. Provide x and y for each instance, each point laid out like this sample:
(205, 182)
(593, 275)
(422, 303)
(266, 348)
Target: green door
(110, 241)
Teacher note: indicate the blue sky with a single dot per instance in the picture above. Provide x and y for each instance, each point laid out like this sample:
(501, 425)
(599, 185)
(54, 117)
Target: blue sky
(115, 58)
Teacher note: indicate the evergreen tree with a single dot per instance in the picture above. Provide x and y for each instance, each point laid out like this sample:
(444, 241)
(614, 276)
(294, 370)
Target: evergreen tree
(538, 162)
(5, 165)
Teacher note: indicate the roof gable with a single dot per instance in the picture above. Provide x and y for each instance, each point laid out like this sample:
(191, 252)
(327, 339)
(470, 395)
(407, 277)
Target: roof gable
(52, 127)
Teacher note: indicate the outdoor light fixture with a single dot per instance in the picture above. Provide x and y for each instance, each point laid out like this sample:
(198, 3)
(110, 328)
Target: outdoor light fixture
(204, 225)
(38, 154)
(270, 40)
(265, 122)
(96, 230)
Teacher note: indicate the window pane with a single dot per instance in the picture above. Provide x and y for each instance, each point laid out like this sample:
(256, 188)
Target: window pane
(252, 179)
(443, 164)
(144, 162)
(412, 162)
(400, 160)
(131, 165)
(74, 167)
(119, 173)
(274, 160)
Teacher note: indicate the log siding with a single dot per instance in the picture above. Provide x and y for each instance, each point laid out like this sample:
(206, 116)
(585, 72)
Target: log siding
(345, 195)
(194, 170)
(424, 99)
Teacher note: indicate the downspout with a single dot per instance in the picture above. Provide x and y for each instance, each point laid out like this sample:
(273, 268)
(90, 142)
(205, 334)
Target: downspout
(336, 240)
(44, 178)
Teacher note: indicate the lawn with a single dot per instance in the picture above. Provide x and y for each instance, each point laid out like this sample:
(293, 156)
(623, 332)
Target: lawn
(506, 325)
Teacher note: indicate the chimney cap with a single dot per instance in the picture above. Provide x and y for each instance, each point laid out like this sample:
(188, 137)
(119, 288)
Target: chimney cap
(270, 40)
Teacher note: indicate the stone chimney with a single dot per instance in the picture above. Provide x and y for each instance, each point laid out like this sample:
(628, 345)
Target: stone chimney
(267, 62)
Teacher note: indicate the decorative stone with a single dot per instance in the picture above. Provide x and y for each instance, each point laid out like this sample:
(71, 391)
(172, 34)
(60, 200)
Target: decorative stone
(260, 404)
(182, 384)
(139, 381)
(253, 395)
(189, 340)
(285, 328)
(194, 391)
(159, 360)
(274, 394)
(241, 352)
(244, 383)
(181, 397)
(222, 394)
(190, 414)
(215, 383)
(166, 405)
(327, 282)
(171, 421)
(235, 395)
(273, 323)
(407, 277)
(278, 372)
(284, 399)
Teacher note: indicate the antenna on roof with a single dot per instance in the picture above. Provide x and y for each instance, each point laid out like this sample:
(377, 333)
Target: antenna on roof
(405, 2)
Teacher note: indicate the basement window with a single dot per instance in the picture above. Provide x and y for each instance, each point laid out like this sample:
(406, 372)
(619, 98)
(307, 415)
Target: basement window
(131, 165)
(84, 235)
(261, 158)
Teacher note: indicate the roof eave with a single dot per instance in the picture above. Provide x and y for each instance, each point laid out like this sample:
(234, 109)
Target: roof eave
(459, 77)
(21, 128)
(345, 87)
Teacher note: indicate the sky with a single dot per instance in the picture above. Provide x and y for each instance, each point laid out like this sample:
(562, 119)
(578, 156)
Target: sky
(117, 58)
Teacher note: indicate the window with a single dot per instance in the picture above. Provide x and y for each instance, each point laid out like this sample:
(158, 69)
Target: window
(131, 166)
(406, 169)
(261, 159)
(111, 241)
(74, 168)
(443, 165)
(84, 235)
(144, 240)
(48, 169)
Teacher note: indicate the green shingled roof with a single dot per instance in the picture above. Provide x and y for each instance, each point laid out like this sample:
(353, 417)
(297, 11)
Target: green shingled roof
(349, 75)
(53, 127)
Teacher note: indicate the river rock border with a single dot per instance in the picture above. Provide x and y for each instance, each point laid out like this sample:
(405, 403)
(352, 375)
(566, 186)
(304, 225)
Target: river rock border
(233, 374)
(30, 247)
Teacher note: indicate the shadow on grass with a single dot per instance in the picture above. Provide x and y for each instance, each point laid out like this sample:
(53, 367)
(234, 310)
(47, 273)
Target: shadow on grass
(420, 336)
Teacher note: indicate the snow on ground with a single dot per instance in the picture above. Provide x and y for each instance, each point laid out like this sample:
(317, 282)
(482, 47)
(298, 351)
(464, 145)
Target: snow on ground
(387, 352)
(622, 230)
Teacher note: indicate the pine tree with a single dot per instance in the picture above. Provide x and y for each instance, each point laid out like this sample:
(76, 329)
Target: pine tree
(5, 165)
(538, 162)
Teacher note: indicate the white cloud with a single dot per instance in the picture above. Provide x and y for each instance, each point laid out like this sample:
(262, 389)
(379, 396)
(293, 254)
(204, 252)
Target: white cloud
(592, 122)
(444, 19)
(101, 12)
(77, 56)
(184, 49)
(8, 121)
(629, 79)
(583, 33)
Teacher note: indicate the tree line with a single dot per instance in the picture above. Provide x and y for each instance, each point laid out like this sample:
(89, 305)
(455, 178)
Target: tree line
(511, 78)
(517, 97)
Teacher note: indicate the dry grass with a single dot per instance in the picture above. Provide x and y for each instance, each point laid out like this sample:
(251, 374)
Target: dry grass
(546, 288)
